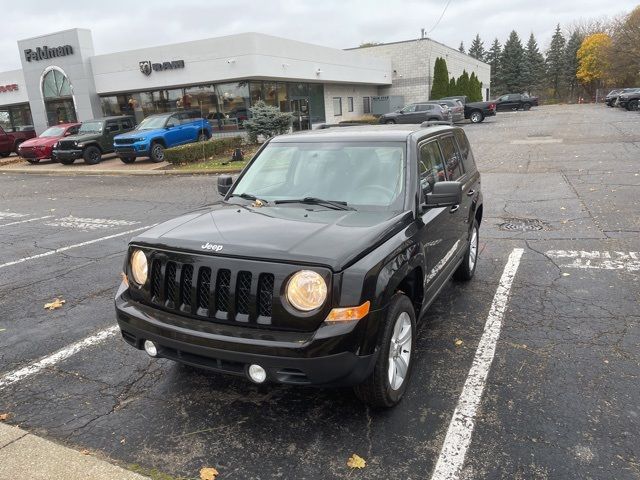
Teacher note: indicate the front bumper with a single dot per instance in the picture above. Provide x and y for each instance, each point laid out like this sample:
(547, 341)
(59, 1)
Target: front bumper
(327, 356)
(34, 153)
(67, 154)
(138, 149)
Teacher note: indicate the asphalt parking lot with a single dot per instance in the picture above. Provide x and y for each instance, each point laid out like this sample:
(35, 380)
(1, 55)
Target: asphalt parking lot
(561, 398)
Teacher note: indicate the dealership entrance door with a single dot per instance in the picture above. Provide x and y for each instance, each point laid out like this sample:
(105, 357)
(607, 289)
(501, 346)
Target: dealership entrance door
(58, 101)
(300, 112)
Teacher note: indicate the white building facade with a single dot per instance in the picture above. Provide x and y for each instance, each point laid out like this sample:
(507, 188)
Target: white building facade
(62, 80)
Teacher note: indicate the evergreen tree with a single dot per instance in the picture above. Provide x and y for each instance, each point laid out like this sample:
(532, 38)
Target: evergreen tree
(555, 63)
(534, 64)
(571, 63)
(453, 88)
(492, 57)
(475, 88)
(266, 120)
(511, 64)
(440, 85)
(476, 50)
(462, 84)
(461, 47)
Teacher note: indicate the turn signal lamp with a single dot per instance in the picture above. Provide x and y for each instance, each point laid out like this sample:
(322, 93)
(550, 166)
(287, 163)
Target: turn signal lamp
(348, 313)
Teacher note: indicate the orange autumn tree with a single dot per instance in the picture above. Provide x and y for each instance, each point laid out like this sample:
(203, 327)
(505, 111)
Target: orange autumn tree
(593, 62)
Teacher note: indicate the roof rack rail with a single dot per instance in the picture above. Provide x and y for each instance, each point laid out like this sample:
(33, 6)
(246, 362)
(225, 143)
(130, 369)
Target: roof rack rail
(434, 123)
(342, 124)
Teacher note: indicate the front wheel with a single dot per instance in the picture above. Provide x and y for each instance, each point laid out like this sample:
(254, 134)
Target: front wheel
(467, 268)
(388, 382)
(526, 106)
(67, 161)
(390, 122)
(632, 105)
(33, 161)
(476, 117)
(128, 159)
(92, 155)
(157, 153)
(203, 137)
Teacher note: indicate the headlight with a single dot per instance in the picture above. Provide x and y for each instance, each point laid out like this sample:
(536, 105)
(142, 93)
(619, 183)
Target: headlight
(139, 268)
(306, 290)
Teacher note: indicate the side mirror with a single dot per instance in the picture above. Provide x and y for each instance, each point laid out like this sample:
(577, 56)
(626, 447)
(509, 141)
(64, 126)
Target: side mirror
(169, 126)
(444, 194)
(224, 184)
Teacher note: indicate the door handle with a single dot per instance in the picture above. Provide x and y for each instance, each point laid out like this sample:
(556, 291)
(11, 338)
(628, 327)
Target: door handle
(470, 193)
(454, 209)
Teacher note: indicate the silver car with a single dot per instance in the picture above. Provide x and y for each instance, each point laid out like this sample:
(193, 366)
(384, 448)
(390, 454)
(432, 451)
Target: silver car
(456, 108)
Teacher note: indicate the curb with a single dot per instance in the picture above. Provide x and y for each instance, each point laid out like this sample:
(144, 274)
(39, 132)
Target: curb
(115, 172)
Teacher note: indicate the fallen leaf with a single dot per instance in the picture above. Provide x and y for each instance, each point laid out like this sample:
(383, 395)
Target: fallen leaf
(123, 441)
(57, 303)
(85, 452)
(3, 417)
(208, 473)
(458, 342)
(355, 461)
(2, 329)
(565, 274)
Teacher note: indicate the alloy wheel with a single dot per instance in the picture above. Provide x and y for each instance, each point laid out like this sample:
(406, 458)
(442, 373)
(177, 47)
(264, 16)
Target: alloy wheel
(400, 351)
(473, 249)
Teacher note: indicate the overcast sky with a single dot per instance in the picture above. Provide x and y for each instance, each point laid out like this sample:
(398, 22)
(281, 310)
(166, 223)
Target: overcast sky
(123, 25)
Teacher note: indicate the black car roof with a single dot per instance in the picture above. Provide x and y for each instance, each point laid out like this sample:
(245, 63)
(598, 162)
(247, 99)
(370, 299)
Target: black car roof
(370, 133)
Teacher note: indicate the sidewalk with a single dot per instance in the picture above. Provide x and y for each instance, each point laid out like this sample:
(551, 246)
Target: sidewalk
(109, 164)
(26, 457)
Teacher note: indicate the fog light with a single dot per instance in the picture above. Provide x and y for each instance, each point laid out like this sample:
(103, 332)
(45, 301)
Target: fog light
(150, 348)
(257, 373)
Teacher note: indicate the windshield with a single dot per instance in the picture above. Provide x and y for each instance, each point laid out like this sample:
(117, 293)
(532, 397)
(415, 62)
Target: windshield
(151, 123)
(364, 175)
(53, 132)
(91, 127)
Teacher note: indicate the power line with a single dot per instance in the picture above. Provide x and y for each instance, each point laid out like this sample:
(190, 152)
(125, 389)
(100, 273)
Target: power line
(442, 15)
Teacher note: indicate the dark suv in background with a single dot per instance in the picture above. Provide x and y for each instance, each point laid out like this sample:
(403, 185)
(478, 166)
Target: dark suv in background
(417, 113)
(317, 265)
(94, 138)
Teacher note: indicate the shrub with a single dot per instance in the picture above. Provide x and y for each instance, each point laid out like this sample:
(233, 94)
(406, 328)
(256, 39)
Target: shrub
(195, 152)
(267, 121)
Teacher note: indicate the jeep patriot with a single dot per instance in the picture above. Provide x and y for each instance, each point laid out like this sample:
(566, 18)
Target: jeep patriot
(317, 265)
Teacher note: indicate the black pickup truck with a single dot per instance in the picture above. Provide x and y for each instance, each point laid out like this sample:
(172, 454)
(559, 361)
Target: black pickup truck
(317, 265)
(475, 111)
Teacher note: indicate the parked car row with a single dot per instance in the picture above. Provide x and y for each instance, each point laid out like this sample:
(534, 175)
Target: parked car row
(627, 98)
(89, 140)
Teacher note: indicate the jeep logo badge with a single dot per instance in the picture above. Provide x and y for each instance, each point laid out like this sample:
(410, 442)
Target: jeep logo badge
(209, 246)
(145, 67)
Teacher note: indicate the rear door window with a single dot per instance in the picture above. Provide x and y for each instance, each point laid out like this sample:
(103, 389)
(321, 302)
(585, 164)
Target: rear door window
(112, 127)
(465, 151)
(127, 124)
(452, 161)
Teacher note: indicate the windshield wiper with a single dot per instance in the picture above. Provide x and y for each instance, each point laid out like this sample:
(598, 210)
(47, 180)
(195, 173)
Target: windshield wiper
(248, 196)
(336, 205)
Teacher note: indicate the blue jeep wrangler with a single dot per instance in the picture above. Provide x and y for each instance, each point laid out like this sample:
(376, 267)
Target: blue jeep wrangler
(157, 132)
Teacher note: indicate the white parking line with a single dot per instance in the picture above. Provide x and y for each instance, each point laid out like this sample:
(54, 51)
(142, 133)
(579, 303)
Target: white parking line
(25, 221)
(458, 438)
(77, 245)
(13, 215)
(629, 261)
(88, 224)
(17, 375)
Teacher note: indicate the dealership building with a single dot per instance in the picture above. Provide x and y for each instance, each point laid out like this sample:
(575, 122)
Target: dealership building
(62, 80)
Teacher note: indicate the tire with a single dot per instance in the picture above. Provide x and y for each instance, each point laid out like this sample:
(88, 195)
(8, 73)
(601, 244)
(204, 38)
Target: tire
(632, 105)
(467, 268)
(67, 161)
(128, 159)
(92, 155)
(33, 161)
(203, 137)
(157, 152)
(5, 154)
(16, 145)
(476, 117)
(377, 390)
(526, 107)
(389, 122)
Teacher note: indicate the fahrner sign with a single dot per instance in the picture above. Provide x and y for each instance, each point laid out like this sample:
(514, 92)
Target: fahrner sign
(45, 53)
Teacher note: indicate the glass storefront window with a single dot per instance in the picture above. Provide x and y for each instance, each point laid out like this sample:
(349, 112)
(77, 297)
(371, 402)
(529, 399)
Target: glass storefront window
(316, 103)
(270, 93)
(233, 101)
(203, 98)
(255, 89)
(55, 85)
(16, 118)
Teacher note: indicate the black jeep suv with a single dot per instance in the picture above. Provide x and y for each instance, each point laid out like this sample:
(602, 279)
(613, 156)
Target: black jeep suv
(318, 263)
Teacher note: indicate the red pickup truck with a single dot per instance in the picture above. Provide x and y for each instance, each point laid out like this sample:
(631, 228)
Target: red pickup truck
(9, 141)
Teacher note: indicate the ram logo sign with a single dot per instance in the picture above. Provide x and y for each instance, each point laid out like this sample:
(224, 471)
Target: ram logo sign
(147, 66)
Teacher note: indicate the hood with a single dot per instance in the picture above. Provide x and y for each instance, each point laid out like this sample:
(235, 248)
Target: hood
(141, 133)
(41, 142)
(85, 137)
(311, 235)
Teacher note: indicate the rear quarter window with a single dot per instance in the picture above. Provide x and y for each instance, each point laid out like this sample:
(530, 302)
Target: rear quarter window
(465, 151)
